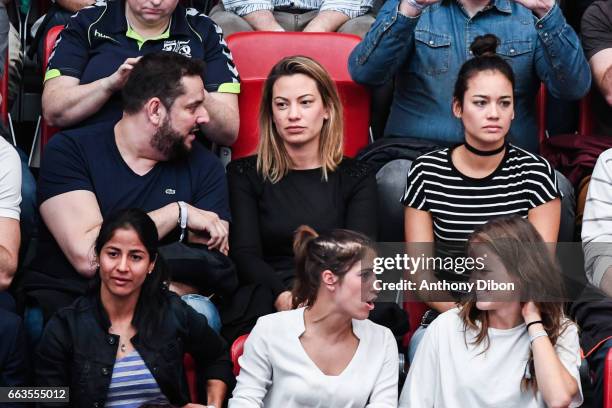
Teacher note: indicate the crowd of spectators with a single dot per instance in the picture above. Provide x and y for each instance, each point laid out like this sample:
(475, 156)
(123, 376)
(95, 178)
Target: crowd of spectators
(139, 86)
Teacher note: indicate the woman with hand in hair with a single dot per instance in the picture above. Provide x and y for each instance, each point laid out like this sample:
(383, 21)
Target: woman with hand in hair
(452, 191)
(123, 344)
(501, 349)
(326, 353)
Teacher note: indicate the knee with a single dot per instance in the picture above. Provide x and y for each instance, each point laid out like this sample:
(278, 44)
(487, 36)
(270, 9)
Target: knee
(358, 26)
(205, 307)
(229, 22)
(414, 342)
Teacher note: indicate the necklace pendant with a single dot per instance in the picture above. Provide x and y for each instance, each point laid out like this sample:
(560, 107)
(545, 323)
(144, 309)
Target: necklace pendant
(123, 348)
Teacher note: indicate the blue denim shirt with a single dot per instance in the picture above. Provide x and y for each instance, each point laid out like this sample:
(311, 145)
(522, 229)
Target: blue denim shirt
(425, 54)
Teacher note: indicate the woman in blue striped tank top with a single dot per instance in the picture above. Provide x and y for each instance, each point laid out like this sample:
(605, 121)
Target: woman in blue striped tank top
(122, 345)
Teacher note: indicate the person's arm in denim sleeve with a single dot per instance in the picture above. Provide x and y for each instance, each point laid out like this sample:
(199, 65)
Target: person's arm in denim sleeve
(560, 61)
(385, 47)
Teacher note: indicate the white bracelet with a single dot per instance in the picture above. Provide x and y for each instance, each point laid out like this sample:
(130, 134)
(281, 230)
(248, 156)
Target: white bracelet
(540, 333)
(414, 4)
(182, 221)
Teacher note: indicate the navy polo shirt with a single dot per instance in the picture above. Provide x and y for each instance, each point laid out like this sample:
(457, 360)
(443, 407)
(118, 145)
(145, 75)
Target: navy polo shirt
(98, 39)
(88, 159)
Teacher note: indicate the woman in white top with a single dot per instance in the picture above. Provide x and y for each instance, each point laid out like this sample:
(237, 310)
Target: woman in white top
(496, 351)
(324, 353)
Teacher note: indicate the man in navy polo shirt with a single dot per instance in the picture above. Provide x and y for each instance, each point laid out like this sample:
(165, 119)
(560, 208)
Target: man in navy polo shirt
(97, 50)
(147, 160)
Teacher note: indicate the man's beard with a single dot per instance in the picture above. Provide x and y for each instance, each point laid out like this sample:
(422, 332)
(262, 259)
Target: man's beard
(169, 142)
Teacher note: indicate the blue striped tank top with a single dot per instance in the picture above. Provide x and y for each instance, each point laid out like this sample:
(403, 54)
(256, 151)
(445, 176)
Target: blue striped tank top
(132, 384)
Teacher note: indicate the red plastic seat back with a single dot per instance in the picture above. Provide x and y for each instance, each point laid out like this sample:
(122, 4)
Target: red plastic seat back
(236, 351)
(4, 92)
(47, 131)
(607, 389)
(190, 373)
(255, 53)
(586, 120)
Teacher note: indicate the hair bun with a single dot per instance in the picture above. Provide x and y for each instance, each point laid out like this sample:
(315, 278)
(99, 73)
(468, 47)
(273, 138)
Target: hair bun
(484, 45)
(302, 236)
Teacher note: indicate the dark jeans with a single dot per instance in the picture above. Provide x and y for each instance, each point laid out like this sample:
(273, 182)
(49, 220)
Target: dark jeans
(597, 362)
(13, 352)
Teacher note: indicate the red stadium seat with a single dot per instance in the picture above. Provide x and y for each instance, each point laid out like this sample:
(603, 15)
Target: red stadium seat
(190, 373)
(47, 131)
(415, 311)
(607, 391)
(585, 121)
(4, 115)
(256, 52)
(236, 351)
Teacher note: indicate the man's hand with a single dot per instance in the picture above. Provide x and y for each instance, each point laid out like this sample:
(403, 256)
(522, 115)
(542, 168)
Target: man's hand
(116, 81)
(408, 10)
(538, 7)
(326, 21)
(207, 225)
(284, 301)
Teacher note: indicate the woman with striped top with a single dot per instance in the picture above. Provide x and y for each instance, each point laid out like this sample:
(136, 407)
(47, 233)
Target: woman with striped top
(452, 191)
(123, 344)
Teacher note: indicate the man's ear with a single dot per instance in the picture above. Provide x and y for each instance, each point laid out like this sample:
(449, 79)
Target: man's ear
(155, 110)
(457, 108)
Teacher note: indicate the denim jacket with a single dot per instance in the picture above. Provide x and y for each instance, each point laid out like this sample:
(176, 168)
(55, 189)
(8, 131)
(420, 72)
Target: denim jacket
(77, 351)
(425, 53)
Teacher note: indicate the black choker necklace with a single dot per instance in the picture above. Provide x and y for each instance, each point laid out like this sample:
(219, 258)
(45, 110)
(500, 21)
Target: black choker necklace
(484, 152)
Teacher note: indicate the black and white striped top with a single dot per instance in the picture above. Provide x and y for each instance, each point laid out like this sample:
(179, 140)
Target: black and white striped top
(459, 204)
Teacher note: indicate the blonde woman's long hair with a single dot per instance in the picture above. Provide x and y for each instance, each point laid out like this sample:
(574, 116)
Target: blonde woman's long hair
(273, 161)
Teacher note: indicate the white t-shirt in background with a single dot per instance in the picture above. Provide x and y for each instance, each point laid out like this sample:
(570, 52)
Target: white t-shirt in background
(448, 374)
(10, 181)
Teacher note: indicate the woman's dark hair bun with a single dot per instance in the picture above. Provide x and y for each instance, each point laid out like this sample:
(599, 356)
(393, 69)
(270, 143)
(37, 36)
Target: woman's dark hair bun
(484, 45)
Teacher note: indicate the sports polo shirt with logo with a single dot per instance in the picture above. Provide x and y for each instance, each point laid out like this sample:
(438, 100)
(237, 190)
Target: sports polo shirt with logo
(98, 39)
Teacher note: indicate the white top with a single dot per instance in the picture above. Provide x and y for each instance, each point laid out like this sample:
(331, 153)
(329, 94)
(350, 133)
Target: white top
(10, 181)
(447, 373)
(597, 220)
(275, 370)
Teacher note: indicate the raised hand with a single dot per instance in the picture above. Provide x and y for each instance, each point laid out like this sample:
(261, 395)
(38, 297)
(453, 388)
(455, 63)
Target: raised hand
(413, 7)
(538, 7)
(530, 312)
(116, 81)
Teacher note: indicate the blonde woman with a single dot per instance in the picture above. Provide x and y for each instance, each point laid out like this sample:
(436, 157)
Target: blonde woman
(299, 176)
